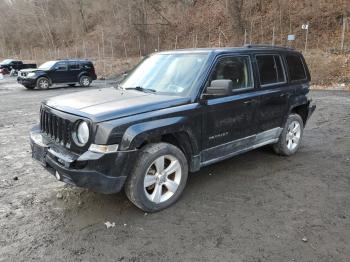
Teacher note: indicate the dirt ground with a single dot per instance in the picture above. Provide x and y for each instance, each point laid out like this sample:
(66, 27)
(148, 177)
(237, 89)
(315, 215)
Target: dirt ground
(254, 207)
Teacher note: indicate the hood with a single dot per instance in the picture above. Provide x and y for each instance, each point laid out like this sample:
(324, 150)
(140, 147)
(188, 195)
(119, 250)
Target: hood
(29, 70)
(111, 103)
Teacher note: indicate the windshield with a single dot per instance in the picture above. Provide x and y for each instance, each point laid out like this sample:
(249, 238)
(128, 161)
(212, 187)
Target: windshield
(47, 65)
(6, 61)
(166, 73)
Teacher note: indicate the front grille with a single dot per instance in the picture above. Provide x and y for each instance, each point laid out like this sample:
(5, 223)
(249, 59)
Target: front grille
(56, 128)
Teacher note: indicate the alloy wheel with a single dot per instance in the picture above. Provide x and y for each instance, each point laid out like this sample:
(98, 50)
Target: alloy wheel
(162, 179)
(85, 81)
(43, 83)
(293, 135)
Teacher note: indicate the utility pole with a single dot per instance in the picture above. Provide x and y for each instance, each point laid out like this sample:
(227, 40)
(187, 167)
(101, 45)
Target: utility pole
(306, 28)
(345, 19)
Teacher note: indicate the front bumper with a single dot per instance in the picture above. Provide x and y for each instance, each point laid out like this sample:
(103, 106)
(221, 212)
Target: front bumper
(104, 173)
(26, 81)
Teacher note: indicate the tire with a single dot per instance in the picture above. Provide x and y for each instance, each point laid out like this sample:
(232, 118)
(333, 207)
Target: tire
(153, 194)
(30, 87)
(85, 81)
(71, 85)
(43, 83)
(289, 141)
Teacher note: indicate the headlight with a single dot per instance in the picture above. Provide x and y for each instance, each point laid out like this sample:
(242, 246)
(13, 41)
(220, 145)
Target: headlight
(31, 74)
(82, 133)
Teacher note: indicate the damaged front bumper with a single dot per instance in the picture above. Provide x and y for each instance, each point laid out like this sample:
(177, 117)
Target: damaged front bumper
(104, 173)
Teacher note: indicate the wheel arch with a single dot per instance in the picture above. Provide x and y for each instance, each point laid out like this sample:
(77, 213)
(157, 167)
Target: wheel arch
(43, 76)
(171, 130)
(83, 73)
(302, 110)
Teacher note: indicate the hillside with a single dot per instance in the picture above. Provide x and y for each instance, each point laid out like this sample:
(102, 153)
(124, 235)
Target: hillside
(121, 29)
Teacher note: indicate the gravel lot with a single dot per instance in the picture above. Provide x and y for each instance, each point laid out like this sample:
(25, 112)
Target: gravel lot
(255, 207)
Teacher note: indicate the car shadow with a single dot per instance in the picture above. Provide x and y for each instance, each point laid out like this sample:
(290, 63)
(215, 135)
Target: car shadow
(210, 183)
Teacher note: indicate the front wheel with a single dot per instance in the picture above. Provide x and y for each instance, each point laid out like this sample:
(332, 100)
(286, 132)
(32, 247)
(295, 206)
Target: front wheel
(158, 178)
(43, 83)
(85, 81)
(290, 138)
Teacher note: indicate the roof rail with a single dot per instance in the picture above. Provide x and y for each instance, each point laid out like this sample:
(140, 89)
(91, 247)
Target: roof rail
(268, 46)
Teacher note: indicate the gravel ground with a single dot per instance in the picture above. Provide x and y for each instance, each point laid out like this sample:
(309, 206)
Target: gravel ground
(254, 207)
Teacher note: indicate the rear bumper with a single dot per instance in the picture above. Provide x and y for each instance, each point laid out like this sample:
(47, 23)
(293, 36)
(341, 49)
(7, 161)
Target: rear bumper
(104, 173)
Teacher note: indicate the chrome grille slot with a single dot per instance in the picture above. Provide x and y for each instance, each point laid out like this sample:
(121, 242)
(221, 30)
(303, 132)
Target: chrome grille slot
(55, 127)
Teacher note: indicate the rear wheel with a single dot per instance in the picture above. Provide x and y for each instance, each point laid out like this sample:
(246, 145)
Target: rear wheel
(43, 83)
(290, 138)
(158, 178)
(85, 81)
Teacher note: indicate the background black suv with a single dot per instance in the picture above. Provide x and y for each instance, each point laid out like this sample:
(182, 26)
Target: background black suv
(68, 72)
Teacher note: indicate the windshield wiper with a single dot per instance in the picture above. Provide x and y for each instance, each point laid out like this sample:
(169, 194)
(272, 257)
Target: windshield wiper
(140, 88)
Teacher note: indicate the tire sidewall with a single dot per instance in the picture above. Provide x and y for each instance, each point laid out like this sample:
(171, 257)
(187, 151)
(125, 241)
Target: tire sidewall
(283, 144)
(149, 155)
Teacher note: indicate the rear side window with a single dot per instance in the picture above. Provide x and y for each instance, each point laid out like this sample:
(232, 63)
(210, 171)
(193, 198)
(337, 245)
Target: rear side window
(87, 65)
(270, 69)
(74, 66)
(296, 68)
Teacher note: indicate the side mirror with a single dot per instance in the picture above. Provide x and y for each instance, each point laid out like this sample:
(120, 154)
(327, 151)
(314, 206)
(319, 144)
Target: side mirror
(222, 87)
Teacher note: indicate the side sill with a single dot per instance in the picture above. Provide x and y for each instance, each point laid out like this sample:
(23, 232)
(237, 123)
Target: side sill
(215, 160)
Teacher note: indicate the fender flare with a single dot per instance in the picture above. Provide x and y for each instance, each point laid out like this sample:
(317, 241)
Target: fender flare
(137, 134)
(82, 74)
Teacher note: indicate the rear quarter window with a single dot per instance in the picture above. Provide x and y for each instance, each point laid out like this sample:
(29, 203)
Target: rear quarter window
(296, 68)
(87, 65)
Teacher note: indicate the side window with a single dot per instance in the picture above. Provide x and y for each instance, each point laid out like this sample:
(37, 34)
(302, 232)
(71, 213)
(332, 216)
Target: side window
(61, 66)
(87, 65)
(74, 66)
(237, 69)
(295, 68)
(270, 69)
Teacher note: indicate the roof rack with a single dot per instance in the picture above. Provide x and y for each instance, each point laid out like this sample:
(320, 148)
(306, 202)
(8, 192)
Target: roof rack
(268, 46)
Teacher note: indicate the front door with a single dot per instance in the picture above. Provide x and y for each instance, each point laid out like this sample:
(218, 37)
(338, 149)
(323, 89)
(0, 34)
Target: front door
(59, 73)
(228, 123)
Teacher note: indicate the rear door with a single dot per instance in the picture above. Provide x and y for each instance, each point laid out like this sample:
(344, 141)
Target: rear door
(73, 71)
(274, 91)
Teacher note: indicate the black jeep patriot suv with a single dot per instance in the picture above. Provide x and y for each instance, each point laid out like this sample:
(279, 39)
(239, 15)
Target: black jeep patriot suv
(68, 72)
(176, 112)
